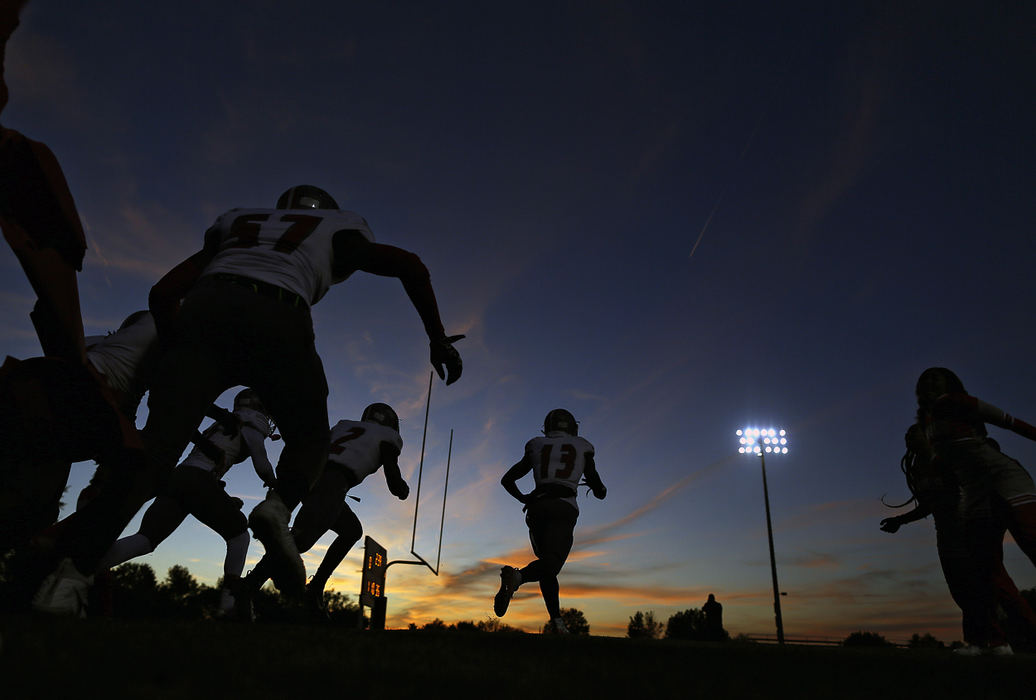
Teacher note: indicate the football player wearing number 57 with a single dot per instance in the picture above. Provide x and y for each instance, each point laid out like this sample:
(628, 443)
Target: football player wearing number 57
(237, 313)
(557, 460)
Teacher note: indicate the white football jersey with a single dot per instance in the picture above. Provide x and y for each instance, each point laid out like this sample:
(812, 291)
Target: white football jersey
(233, 444)
(356, 446)
(123, 358)
(289, 248)
(558, 458)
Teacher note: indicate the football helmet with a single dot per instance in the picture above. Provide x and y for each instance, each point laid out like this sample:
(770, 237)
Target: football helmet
(936, 381)
(306, 197)
(382, 414)
(560, 419)
(248, 398)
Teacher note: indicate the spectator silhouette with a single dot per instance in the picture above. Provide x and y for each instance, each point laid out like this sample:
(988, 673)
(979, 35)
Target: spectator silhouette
(713, 619)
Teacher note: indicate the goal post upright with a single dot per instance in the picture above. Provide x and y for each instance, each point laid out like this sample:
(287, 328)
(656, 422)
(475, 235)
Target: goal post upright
(378, 602)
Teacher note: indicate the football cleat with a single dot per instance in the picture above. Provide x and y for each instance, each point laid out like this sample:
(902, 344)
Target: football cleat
(510, 579)
(226, 603)
(63, 592)
(559, 626)
(306, 197)
(382, 414)
(269, 522)
(560, 419)
(1000, 650)
(968, 650)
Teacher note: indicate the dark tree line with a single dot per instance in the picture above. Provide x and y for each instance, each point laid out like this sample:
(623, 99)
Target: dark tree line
(133, 591)
(688, 624)
(574, 619)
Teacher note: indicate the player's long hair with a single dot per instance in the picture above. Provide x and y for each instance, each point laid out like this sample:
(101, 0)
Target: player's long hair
(911, 462)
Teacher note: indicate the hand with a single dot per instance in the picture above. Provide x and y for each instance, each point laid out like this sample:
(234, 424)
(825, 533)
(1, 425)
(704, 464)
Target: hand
(402, 491)
(443, 353)
(889, 524)
(600, 493)
(270, 483)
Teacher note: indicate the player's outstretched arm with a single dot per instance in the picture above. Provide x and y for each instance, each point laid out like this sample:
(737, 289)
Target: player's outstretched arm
(256, 442)
(593, 479)
(165, 296)
(895, 522)
(1003, 419)
(510, 478)
(389, 261)
(397, 486)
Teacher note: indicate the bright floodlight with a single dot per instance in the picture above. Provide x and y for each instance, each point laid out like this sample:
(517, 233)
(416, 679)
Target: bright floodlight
(758, 441)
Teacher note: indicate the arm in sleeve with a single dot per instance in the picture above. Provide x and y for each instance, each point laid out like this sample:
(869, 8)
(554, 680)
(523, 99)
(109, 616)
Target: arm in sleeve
(991, 414)
(892, 524)
(256, 443)
(510, 478)
(164, 298)
(389, 261)
(593, 479)
(397, 486)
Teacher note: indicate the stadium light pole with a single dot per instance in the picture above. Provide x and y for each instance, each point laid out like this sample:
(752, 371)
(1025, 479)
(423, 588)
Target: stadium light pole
(761, 442)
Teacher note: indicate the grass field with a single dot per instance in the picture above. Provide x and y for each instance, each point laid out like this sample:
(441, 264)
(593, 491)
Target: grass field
(45, 658)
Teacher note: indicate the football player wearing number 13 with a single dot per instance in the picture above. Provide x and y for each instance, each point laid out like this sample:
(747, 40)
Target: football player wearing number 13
(245, 321)
(557, 461)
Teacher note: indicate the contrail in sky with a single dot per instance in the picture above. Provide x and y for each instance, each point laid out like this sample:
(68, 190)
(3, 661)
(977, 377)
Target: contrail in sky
(737, 169)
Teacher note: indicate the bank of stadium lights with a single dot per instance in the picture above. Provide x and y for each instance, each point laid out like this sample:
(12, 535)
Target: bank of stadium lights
(762, 440)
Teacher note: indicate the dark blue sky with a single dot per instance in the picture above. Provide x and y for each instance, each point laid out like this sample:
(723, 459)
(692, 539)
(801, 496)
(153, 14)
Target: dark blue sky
(864, 171)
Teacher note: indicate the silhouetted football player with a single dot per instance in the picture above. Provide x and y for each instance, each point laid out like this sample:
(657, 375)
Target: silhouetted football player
(358, 449)
(936, 493)
(196, 488)
(245, 320)
(557, 460)
(994, 487)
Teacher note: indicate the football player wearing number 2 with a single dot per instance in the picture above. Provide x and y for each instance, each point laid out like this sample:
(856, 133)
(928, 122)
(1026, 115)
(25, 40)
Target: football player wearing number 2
(557, 461)
(245, 320)
(358, 449)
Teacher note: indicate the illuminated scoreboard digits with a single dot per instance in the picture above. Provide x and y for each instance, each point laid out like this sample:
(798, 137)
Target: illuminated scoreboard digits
(374, 562)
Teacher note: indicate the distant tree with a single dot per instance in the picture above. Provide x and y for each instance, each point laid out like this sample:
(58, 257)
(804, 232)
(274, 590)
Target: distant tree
(644, 626)
(340, 609)
(435, 625)
(181, 595)
(134, 590)
(464, 626)
(865, 639)
(689, 624)
(494, 625)
(574, 620)
(925, 641)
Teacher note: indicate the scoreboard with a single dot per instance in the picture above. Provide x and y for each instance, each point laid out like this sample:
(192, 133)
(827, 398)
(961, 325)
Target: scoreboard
(372, 585)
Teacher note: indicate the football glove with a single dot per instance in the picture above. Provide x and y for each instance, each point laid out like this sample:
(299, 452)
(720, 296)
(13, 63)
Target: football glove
(600, 493)
(444, 354)
(400, 490)
(889, 524)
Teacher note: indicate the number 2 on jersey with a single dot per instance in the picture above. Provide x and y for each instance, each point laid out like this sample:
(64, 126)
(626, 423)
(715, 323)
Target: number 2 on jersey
(245, 230)
(338, 446)
(567, 458)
